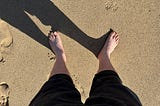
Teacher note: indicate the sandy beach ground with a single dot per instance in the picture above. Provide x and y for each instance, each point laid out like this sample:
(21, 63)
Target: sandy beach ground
(26, 59)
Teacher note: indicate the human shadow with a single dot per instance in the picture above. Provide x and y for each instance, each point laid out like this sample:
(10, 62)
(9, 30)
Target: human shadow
(14, 13)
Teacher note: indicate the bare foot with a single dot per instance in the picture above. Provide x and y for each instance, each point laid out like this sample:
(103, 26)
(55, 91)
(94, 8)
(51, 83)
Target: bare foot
(56, 44)
(110, 45)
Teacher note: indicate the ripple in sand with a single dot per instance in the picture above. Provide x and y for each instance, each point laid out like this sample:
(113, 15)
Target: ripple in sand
(6, 38)
(111, 5)
(4, 94)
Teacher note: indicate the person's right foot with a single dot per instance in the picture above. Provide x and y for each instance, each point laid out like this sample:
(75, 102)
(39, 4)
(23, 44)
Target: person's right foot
(56, 45)
(109, 46)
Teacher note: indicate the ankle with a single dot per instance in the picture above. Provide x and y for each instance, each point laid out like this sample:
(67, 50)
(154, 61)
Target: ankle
(61, 57)
(105, 55)
(105, 63)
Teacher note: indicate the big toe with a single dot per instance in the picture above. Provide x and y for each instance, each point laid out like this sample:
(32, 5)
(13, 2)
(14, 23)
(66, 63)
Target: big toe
(113, 34)
(56, 34)
(51, 36)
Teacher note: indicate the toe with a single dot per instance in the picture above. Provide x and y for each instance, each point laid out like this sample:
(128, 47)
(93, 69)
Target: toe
(116, 36)
(117, 40)
(51, 36)
(112, 34)
(55, 33)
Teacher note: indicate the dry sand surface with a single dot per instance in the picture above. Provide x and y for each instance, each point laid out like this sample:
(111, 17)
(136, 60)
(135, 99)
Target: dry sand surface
(26, 59)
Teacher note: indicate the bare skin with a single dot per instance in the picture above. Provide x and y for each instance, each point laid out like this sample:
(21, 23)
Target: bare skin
(108, 48)
(103, 57)
(57, 46)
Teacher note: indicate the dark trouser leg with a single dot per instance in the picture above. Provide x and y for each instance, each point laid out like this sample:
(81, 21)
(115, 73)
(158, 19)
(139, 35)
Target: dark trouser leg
(107, 90)
(58, 90)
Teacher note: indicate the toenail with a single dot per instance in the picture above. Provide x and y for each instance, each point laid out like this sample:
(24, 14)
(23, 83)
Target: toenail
(49, 35)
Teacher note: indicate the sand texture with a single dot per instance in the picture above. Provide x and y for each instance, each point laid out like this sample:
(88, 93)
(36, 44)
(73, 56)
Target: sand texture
(4, 94)
(26, 58)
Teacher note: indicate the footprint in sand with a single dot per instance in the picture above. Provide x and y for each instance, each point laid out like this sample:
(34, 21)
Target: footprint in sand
(6, 38)
(4, 94)
(1, 57)
(79, 87)
(111, 6)
(51, 56)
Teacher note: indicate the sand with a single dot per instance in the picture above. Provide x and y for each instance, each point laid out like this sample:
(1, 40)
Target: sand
(26, 59)
(4, 94)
